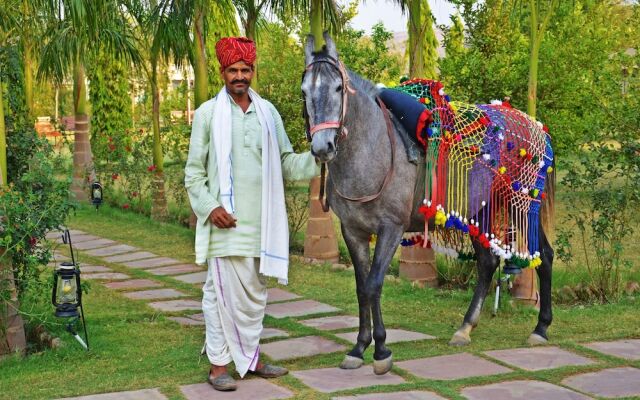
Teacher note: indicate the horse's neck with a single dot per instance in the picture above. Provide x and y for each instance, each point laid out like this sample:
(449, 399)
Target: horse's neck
(366, 144)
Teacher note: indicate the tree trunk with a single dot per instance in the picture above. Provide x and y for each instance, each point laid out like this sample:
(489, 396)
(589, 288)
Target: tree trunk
(28, 62)
(3, 139)
(316, 20)
(416, 41)
(83, 172)
(251, 32)
(533, 62)
(12, 337)
(159, 204)
(200, 84)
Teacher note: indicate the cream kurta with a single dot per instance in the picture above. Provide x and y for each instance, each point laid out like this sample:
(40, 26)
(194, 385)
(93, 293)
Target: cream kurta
(202, 182)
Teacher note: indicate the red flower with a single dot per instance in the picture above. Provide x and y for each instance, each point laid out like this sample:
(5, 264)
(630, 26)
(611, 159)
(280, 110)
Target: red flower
(125, 206)
(32, 241)
(127, 148)
(134, 194)
(110, 139)
(112, 147)
(151, 168)
(545, 128)
(485, 121)
(114, 176)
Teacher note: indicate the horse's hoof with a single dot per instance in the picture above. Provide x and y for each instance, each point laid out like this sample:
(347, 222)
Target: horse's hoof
(460, 339)
(351, 362)
(536, 340)
(381, 367)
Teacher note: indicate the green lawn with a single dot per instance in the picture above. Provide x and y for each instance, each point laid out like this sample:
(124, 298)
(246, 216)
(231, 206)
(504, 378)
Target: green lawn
(134, 348)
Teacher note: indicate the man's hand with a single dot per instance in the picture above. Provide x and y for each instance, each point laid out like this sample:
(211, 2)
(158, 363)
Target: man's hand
(222, 219)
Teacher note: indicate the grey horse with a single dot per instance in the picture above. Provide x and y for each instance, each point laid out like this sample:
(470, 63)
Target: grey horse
(371, 187)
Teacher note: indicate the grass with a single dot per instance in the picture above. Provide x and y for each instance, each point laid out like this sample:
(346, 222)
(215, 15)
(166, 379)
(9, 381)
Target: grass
(134, 347)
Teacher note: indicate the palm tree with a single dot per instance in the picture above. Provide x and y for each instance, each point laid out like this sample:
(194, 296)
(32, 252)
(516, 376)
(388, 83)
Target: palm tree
(423, 43)
(76, 30)
(7, 27)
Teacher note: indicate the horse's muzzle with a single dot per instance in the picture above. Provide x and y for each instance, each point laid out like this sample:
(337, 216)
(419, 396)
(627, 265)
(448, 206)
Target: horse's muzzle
(323, 145)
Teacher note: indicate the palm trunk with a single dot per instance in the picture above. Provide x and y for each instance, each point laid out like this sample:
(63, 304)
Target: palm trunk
(533, 61)
(3, 139)
(316, 23)
(159, 204)
(28, 64)
(82, 158)
(250, 31)
(416, 40)
(200, 87)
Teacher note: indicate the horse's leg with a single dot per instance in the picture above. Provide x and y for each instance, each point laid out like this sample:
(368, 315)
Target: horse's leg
(386, 245)
(487, 264)
(539, 335)
(358, 245)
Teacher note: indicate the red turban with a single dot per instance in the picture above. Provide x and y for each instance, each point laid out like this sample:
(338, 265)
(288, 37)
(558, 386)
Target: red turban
(230, 50)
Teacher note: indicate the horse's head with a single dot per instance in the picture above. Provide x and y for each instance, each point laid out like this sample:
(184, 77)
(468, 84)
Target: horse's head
(324, 88)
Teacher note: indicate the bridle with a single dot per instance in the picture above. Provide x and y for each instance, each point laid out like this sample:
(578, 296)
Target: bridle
(342, 131)
(346, 90)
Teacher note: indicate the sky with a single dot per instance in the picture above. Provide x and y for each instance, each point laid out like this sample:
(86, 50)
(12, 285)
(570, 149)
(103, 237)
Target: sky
(373, 11)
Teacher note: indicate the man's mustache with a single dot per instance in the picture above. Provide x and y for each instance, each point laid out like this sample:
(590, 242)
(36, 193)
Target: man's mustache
(233, 82)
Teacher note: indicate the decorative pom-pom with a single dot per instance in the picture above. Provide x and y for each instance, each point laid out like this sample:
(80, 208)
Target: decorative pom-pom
(516, 186)
(543, 196)
(447, 98)
(486, 156)
(522, 152)
(549, 170)
(510, 146)
(441, 92)
(484, 203)
(496, 103)
(502, 170)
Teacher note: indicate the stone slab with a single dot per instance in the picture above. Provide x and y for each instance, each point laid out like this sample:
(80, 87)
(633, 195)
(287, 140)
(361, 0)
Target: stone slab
(112, 250)
(133, 284)
(627, 348)
(109, 276)
(298, 308)
(332, 323)
(93, 244)
(300, 347)
(84, 237)
(521, 390)
(609, 383)
(327, 380)
(176, 305)
(174, 269)
(151, 262)
(450, 367)
(248, 389)
(60, 257)
(275, 295)
(197, 277)
(199, 316)
(412, 395)
(154, 294)
(138, 255)
(535, 359)
(145, 394)
(186, 321)
(268, 333)
(393, 336)
(94, 268)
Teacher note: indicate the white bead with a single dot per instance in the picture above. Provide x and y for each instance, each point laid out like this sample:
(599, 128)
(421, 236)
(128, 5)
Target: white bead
(429, 203)
(465, 221)
(493, 236)
(424, 201)
(484, 203)
(472, 221)
(486, 156)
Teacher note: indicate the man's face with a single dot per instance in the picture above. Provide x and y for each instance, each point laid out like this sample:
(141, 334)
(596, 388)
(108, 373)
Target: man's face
(237, 77)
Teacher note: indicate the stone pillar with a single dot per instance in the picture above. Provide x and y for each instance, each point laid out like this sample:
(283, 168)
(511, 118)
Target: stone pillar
(12, 337)
(525, 287)
(418, 264)
(320, 242)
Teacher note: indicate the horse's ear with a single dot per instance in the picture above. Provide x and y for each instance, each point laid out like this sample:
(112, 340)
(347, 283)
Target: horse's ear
(331, 46)
(308, 49)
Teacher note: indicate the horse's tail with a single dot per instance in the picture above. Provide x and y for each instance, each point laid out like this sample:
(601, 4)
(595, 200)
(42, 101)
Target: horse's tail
(548, 205)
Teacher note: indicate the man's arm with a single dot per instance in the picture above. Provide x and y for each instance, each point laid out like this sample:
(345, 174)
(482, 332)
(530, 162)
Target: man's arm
(203, 202)
(295, 167)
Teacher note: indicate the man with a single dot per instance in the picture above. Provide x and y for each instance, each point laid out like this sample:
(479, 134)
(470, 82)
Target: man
(238, 156)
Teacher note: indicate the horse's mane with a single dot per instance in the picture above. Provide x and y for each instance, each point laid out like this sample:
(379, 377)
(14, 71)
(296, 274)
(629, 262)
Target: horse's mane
(363, 85)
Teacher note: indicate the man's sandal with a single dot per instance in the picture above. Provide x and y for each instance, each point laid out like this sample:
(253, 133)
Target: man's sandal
(223, 383)
(270, 371)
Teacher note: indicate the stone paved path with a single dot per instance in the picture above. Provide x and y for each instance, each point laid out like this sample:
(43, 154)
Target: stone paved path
(155, 289)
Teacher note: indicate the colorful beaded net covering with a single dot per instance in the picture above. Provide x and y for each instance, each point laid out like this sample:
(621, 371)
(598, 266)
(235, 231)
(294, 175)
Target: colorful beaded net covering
(486, 167)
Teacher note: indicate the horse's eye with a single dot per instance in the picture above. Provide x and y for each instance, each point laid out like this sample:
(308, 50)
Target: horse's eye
(339, 88)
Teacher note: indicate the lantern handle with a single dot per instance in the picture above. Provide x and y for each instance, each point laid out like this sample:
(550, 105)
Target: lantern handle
(66, 239)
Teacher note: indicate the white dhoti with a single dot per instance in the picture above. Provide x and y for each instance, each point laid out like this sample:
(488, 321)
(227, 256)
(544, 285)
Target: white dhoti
(233, 302)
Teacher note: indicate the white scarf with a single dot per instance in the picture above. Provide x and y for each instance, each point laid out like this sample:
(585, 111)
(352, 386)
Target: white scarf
(274, 232)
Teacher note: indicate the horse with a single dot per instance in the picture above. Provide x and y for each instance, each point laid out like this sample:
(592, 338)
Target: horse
(375, 189)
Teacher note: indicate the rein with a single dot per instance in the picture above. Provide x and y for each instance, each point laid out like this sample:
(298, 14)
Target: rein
(387, 178)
